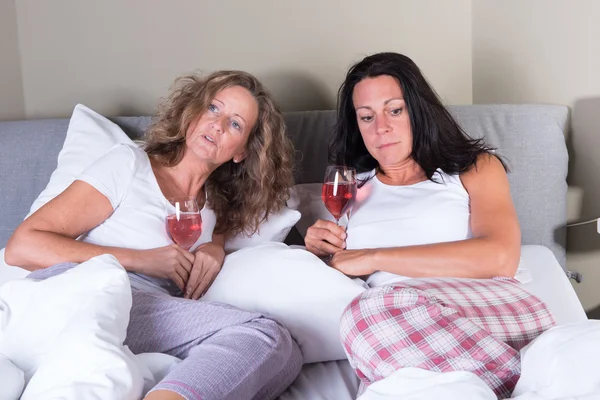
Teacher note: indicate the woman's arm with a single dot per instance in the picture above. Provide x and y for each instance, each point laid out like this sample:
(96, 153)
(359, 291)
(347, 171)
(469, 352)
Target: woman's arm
(494, 249)
(48, 237)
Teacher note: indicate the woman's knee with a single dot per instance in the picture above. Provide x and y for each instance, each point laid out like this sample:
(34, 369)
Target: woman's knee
(282, 363)
(282, 347)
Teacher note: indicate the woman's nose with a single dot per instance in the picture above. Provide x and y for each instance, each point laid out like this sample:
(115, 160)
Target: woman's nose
(217, 125)
(382, 125)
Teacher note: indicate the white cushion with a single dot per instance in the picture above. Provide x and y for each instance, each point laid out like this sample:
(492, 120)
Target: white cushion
(12, 380)
(155, 366)
(420, 384)
(9, 272)
(274, 229)
(292, 286)
(90, 135)
(562, 362)
(66, 333)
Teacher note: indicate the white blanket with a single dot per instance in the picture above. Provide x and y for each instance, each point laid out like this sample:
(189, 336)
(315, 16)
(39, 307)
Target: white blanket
(66, 334)
(561, 364)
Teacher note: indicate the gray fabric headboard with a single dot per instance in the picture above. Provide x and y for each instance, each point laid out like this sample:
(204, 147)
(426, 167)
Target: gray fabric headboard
(529, 137)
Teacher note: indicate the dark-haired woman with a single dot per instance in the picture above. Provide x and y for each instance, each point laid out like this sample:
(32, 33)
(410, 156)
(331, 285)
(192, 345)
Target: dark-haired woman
(433, 230)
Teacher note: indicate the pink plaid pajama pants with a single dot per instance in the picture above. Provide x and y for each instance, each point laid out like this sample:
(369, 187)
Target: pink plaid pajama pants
(444, 324)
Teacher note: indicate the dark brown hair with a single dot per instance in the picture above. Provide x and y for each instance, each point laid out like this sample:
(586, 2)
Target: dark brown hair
(438, 140)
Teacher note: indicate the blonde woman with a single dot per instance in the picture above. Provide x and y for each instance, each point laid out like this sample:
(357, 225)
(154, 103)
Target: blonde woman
(220, 139)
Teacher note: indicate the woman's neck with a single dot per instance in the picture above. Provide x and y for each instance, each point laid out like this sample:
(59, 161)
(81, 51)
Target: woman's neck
(407, 173)
(186, 179)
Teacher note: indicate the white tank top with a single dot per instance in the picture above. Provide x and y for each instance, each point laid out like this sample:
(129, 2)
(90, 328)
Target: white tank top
(394, 216)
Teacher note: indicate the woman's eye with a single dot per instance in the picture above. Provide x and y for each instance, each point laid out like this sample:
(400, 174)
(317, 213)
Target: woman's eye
(396, 111)
(367, 118)
(236, 125)
(213, 108)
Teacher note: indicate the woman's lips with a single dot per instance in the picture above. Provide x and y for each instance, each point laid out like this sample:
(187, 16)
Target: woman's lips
(383, 146)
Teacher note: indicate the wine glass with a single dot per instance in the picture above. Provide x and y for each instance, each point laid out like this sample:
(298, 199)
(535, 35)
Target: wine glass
(184, 223)
(339, 190)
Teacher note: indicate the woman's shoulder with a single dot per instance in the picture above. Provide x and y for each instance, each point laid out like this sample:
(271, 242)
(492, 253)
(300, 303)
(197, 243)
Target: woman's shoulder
(487, 169)
(485, 163)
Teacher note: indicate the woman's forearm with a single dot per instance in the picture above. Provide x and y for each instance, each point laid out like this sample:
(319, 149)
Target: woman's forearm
(472, 258)
(35, 249)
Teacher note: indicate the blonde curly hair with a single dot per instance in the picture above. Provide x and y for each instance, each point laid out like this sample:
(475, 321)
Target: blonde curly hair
(241, 194)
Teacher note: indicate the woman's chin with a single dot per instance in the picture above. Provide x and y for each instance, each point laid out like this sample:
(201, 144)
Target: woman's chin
(205, 154)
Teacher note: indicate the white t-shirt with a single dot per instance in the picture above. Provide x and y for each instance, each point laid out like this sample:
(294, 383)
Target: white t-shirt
(124, 175)
(393, 216)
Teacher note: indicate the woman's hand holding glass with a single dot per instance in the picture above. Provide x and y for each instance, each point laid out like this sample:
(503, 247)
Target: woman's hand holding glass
(325, 238)
(168, 262)
(174, 262)
(209, 258)
(193, 273)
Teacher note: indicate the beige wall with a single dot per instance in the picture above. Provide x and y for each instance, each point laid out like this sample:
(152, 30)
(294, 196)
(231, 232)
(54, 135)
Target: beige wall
(12, 105)
(119, 57)
(548, 51)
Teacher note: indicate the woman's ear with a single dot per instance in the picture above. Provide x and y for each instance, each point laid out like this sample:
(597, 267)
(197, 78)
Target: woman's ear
(238, 158)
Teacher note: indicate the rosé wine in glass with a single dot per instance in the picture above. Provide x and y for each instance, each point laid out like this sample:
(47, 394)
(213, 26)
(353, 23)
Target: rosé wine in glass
(184, 224)
(339, 190)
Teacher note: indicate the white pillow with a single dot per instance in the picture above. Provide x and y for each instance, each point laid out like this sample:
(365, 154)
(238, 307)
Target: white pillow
(562, 362)
(12, 380)
(90, 135)
(66, 333)
(274, 229)
(293, 286)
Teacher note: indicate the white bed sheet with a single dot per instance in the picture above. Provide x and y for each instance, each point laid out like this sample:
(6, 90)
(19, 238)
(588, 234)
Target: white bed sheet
(334, 380)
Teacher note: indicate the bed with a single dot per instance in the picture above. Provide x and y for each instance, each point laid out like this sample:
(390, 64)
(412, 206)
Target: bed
(529, 137)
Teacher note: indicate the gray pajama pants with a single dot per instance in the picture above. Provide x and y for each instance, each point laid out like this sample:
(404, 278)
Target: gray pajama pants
(227, 353)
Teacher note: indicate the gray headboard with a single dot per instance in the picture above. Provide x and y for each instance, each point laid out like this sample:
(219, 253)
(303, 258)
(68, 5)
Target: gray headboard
(530, 138)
